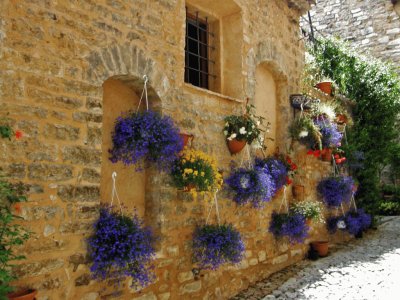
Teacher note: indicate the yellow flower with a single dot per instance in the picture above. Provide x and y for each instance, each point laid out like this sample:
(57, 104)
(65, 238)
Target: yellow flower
(195, 173)
(202, 174)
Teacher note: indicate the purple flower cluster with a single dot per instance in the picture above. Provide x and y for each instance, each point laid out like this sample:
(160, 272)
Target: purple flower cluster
(121, 246)
(336, 190)
(357, 221)
(214, 245)
(331, 136)
(145, 135)
(253, 185)
(292, 225)
(276, 168)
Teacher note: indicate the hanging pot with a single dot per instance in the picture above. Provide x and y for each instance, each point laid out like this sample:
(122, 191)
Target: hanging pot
(341, 119)
(298, 192)
(325, 86)
(321, 247)
(236, 146)
(28, 294)
(326, 154)
(186, 137)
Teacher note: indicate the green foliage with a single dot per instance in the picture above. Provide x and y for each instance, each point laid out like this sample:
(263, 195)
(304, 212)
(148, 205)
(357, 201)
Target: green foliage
(375, 87)
(304, 130)
(11, 235)
(6, 131)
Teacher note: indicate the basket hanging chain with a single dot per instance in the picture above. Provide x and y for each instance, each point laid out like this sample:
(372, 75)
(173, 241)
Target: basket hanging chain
(144, 92)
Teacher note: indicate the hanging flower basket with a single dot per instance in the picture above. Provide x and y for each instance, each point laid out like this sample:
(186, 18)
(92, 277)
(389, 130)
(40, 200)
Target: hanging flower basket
(214, 245)
(235, 146)
(121, 246)
(278, 168)
(291, 225)
(306, 132)
(195, 171)
(331, 136)
(145, 137)
(311, 210)
(336, 190)
(252, 185)
(357, 221)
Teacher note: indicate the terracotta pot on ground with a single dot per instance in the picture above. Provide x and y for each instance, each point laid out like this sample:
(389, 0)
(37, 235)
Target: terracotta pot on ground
(236, 146)
(298, 192)
(23, 295)
(326, 154)
(321, 247)
(325, 86)
(186, 137)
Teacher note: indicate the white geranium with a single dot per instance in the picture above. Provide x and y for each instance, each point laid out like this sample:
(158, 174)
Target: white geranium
(303, 133)
(233, 135)
(258, 123)
(225, 132)
(242, 130)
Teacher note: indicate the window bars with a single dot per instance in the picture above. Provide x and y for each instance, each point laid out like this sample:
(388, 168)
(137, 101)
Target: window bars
(197, 51)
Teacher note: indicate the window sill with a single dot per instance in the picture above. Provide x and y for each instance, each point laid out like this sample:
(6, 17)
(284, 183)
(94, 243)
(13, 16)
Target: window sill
(191, 88)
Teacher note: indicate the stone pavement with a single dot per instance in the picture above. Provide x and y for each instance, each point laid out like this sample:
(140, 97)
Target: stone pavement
(368, 268)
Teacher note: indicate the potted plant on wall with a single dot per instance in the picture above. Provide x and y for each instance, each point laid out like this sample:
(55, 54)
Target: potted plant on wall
(242, 129)
(306, 132)
(121, 246)
(311, 210)
(13, 235)
(214, 245)
(291, 225)
(331, 136)
(336, 190)
(143, 138)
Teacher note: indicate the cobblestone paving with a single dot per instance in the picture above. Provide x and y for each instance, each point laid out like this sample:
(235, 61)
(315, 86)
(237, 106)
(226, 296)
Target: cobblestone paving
(362, 269)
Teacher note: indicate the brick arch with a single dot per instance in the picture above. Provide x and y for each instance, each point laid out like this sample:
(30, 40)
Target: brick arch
(128, 63)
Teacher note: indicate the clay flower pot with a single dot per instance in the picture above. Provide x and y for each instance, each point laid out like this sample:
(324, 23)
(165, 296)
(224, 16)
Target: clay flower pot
(27, 294)
(186, 137)
(298, 192)
(236, 146)
(326, 154)
(321, 247)
(325, 86)
(341, 119)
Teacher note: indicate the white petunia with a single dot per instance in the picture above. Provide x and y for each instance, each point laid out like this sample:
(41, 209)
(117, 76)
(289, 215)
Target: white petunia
(341, 225)
(242, 130)
(225, 132)
(303, 133)
(233, 135)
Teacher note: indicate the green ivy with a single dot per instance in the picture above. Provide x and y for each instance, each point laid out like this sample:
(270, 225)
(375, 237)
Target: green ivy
(6, 131)
(375, 87)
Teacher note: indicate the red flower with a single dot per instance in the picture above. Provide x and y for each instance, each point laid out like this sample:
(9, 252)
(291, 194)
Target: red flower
(288, 180)
(18, 208)
(293, 166)
(317, 153)
(310, 152)
(18, 134)
(336, 156)
(289, 161)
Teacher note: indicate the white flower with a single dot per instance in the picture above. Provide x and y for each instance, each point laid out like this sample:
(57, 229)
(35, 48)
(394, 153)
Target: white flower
(225, 132)
(245, 182)
(226, 124)
(303, 133)
(242, 130)
(341, 225)
(233, 135)
(258, 123)
(252, 126)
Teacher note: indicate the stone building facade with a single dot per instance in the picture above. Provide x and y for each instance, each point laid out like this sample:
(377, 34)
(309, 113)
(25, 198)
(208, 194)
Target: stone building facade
(370, 25)
(68, 68)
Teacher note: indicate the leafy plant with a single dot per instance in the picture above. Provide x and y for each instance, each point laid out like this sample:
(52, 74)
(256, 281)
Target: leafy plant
(6, 131)
(247, 127)
(305, 131)
(12, 235)
(311, 210)
(214, 245)
(331, 136)
(291, 225)
(145, 137)
(196, 169)
(336, 189)
(121, 246)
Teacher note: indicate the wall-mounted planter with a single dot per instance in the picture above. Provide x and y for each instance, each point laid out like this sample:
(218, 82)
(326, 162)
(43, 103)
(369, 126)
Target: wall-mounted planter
(325, 86)
(186, 138)
(236, 146)
(23, 295)
(298, 192)
(299, 100)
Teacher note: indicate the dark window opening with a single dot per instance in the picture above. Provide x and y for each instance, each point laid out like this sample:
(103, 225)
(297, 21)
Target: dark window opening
(197, 52)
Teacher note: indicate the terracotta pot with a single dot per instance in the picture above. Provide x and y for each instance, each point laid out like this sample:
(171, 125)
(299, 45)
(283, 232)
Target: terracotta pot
(28, 294)
(309, 222)
(325, 86)
(298, 192)
(189, 187)
(186, 137)
(236, 146)
(341, 119)
(321, 247)
(326, 154)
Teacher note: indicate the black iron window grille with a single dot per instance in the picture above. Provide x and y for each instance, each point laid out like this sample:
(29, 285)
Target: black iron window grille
(198, 64)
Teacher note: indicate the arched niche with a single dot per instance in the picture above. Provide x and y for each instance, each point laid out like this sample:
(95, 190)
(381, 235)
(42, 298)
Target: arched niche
(121, 94)
(265, 101)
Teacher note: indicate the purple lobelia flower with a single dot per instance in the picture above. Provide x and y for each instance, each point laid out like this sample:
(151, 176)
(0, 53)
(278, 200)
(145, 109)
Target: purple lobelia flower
(292, 225)
(145, 135)
(214, 245)
(252, 185)
(276, 168)
(357, 221)
(331, 136)
(336, 190)
(121, 246)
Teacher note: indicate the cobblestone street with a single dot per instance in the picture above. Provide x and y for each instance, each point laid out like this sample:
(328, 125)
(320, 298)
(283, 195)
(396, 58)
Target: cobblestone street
(363, 269)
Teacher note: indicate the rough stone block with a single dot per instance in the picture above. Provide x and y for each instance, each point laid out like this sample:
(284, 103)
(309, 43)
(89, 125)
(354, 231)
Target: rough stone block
(280, 259)
(189, 288)
(45, 172)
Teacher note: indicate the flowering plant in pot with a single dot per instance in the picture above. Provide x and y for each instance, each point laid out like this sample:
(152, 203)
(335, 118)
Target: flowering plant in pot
(336, 189)
(214, 245)
(121, 246)
(141, 138)
(311, 210)
(291, 225)
(252, 185)
(331, 136)
(242, 129)
(12, 235)
(357, 221)
(306, 132)
(195, 171)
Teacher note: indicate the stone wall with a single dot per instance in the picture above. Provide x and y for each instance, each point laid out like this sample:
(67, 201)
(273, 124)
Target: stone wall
(371, 25)
(55, 58)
